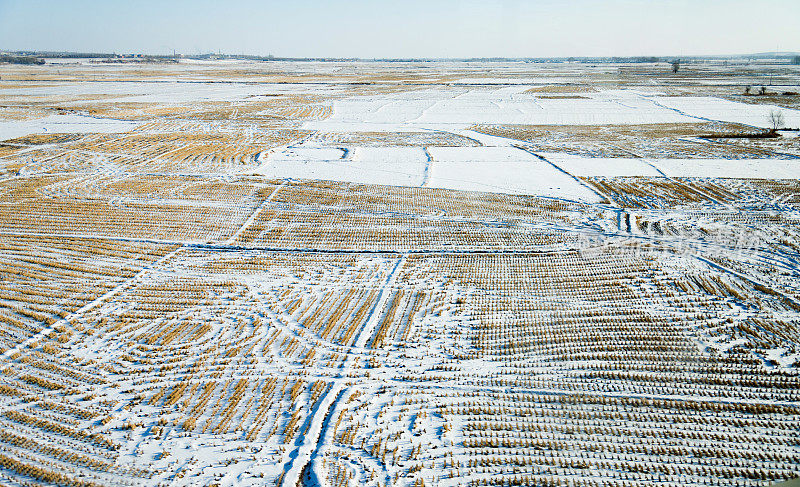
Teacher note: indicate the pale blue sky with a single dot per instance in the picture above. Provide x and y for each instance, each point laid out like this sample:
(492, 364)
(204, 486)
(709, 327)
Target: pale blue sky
(404, 28)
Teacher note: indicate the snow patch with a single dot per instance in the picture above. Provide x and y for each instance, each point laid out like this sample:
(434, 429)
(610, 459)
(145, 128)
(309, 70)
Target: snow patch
(69, 123)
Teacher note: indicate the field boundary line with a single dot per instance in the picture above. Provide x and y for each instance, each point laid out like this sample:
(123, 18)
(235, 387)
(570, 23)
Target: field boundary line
(319, 423)
(376, 313)
(255, 214)
(558, 168)
(426, 173)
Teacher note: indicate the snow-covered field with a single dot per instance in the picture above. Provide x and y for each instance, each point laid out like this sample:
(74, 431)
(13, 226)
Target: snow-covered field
(465, 106)
(60, 124)
(398, 274)
(502, 170)
(403, 166)
(728, 111)
(679, 168)
(491, 169)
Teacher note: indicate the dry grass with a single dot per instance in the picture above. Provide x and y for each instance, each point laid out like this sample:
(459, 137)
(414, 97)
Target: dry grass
(508, 340)
(639, 192)
(647, 140)
(42, 139)
(388, 139)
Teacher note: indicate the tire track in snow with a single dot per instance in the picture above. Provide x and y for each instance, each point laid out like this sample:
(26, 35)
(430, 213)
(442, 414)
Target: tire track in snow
(87, 307)
(704, 141)
(254, 215)
(432, 106)
(426, 174)
(664, 175)
(753, 282)
(697, 117)
(301, 463)
(311, 473)
(643, 159)
(559, 169)
(210, 247)
(309, 444)
(681, 112)
(371, 322)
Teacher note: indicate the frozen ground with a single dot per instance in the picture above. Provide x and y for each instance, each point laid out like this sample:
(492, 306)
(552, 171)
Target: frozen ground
(679, 168)
(504, 169)
(380, 274)
(400, 166)
(62, 124)
(465, 106)
(706, 107)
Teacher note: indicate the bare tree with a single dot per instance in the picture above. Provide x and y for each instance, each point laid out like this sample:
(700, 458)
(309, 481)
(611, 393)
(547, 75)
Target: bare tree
(776, 119)
(747, 89)
(676, 65)
(762, 90)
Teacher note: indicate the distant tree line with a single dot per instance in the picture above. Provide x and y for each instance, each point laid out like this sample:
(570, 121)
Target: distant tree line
(4, 58)
(37, 55)
(143, 59)
(63, 55)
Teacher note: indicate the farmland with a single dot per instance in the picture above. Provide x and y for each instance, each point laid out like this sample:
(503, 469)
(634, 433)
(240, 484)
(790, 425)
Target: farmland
(399, 274)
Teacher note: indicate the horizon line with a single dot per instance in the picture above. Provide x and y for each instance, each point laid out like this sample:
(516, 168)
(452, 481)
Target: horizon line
(271, 57)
